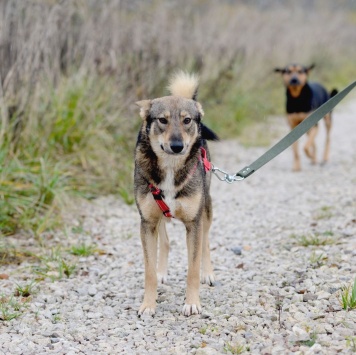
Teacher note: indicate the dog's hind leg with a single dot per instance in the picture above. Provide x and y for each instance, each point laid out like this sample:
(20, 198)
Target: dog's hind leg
(293, 121)
(296, 165)
(162, 270)
(327, 120)
(310, 148)
(207, 273)
(194, 246)
(149, 245)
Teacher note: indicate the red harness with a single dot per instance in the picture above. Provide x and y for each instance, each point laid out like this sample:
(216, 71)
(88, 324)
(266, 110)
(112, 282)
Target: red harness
(157, 193)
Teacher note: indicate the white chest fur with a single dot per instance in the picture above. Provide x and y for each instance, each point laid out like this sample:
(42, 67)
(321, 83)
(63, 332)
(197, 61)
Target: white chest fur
(167, 185)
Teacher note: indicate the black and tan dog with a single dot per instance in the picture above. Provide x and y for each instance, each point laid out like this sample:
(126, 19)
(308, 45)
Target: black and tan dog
(304, 97)
(171, 181)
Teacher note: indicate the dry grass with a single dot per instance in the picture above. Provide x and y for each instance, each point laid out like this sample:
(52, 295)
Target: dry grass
(71, 70)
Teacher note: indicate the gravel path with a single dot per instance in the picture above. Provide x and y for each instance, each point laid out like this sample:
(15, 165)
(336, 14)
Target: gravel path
(273, 296)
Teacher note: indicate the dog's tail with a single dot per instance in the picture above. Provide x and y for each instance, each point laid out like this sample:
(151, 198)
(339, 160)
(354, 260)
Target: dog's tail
(184, 84)
(333, 93)
(208, 134)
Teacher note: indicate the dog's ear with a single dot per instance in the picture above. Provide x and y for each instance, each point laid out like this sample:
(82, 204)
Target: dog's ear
(145, 106)
(200, 109)
(308, 69)
(278, 70)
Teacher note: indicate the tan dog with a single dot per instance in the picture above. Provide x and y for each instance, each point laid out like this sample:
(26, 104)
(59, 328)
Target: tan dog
(170, 180)
(303, 98)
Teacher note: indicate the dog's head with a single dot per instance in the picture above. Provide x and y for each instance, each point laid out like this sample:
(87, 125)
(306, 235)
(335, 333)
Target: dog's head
(295, 76)
(172, 123)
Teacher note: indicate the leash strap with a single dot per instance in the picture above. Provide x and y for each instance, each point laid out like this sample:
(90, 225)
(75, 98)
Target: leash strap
(207, 164)
(288, 140)
(157, 195)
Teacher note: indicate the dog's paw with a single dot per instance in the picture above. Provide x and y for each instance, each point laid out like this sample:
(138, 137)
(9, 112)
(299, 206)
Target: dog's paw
(161, 278)
(146, 310)
(190, 309)
(208, 279)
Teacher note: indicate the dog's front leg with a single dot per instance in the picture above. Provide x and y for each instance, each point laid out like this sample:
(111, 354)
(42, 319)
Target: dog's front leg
(149, 246)
(296, 165)
(310, 148)
(162, 271)
(194, 246)
(327, 119)
(294, 120)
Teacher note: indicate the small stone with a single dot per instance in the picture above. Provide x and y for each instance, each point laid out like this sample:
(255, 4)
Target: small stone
(333, 289)
(317, 316)
(323, 295)
(248, 335)
(347, 232)
(237, 250)
(4, 276)
(309, 297)
(94, 315)
(297, 298)
(316, 348)
(205, 315)
(300, 334)
(207, 350)
(92, 291)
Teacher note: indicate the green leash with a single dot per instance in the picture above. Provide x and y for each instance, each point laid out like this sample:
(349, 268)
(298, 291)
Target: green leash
(288, 140)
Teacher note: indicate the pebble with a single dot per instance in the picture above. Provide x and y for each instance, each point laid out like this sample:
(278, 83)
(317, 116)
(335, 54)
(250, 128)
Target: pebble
(309, 297)
(237, 250)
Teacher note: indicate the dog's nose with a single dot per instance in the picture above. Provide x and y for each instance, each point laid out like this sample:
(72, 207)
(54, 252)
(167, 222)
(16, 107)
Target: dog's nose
(294, 81)
(177, 146)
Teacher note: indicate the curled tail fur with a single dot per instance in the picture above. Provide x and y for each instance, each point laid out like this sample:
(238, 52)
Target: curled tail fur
(184, 84)
(333, 93)
(208, 134)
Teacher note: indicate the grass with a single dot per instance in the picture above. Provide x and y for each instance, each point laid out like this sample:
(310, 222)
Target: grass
(234, 348)
(56, 318)
(25, 290)
(28, 188)
(348, 296)
(11, 255)
(53, 266)
(203, 329)
(317, 260)
(11, 307)
(83, 249)
(207, 328)
(324, 213)
(351, 343)
(311, 341)
(69, 154)
(54, 270)
(314, 239)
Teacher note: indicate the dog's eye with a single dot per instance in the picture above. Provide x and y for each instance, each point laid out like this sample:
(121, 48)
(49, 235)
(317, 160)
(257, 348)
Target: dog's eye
(163, 120)
(187, 120)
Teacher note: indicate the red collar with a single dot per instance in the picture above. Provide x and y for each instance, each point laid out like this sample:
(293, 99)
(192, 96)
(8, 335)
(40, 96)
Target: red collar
(157, 193)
